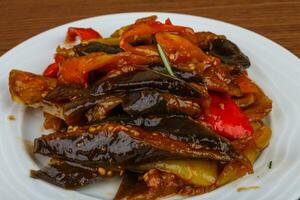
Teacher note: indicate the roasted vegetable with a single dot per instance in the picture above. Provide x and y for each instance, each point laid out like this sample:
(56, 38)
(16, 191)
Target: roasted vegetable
(160, 139)
(149, 26)
(204, 39)
(52, 69)
(155, 184)
(76, 70)
(82, 33)
(262, 104)
(181, 50)
(165, 60)
(92, 47)
(145, 78)
(195, 172)
(251, 148)
(67, 175)
(146, 102)
(225, 117)
(108, 144)
(185, 128)
(188, 76)
(152, 185)
(229, 53)
(74, 103)
(29, 88)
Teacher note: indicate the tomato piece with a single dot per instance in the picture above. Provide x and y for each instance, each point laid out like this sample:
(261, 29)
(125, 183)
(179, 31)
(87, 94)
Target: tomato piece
(226, 118)
(82, 33)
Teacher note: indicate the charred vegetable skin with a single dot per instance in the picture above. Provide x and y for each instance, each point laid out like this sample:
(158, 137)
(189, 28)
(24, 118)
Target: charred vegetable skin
(92, 47)
(229, 53)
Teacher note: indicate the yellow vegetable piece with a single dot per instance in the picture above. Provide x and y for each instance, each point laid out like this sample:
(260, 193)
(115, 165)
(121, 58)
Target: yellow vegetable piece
(235, 170)
(198, 172)
(251, 154)
(120, 31)
(109, 41)
(262, 137)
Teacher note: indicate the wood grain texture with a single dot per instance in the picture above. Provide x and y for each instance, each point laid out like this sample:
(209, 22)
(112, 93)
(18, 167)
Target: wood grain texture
(277, 20)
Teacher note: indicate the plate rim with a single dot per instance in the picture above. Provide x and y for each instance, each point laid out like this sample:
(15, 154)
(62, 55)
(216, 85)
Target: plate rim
(6, 54)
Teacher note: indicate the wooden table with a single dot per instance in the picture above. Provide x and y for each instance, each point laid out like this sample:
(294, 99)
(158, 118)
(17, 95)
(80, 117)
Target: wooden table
(277, 20)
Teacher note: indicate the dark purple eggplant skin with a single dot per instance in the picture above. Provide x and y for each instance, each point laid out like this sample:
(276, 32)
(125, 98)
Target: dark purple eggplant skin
(180, 128)
(65, 93)
(229, 53)
(135, 103)
(92, 47)
(144, 102)
(76, 101)
(122, 142)
(188, 76)
(98, 147)
(67, 175)
(131, 185)
(142, 78)
(77, 112)
(152, 102)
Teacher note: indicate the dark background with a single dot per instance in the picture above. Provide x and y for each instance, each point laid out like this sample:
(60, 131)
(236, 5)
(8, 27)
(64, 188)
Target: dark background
(277, 20)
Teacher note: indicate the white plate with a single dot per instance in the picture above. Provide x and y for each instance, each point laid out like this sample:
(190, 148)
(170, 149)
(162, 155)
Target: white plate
(274, 68)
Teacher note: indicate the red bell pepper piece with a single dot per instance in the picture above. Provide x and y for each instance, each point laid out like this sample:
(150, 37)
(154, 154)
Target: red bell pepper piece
(149, 26)
(52, 69)
(168, 22)
(226, 118)
(58, 58)
(82, 33)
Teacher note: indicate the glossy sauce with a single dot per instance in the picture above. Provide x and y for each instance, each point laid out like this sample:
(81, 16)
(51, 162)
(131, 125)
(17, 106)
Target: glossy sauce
(145, 78)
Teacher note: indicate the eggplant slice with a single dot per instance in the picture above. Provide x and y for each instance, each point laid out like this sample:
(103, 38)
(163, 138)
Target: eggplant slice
(142, 78)
(229, 53)
(139, 141)
(90, 109)
(67, 175)
(141, 92)
(155, 184)
(131, 118)
(188, 76)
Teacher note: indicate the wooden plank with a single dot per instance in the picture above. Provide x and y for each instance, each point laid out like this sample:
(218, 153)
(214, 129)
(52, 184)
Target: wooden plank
(277, 20)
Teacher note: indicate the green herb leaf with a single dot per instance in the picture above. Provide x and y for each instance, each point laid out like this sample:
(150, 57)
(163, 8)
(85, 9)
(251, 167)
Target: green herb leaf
(270, 164)
(165, 60)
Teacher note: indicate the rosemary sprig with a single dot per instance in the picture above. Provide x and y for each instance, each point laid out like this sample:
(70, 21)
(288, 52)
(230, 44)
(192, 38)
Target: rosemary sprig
(165, 60)
(270, 165)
